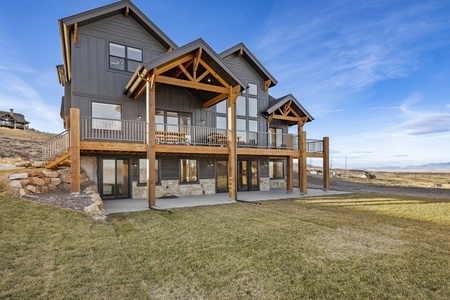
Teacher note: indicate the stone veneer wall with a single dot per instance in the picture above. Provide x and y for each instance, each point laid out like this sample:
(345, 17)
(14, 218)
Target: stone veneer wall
(277, 183)
(264, 184)
(173, 187)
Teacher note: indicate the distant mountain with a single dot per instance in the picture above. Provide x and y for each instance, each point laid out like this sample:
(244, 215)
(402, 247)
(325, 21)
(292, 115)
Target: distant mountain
(427, 167)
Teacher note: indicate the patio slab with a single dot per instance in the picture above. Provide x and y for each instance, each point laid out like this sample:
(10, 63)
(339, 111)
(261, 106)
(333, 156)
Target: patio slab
(130, 205)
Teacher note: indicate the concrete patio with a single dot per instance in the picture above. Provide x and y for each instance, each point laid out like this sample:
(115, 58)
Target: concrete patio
(130, 205)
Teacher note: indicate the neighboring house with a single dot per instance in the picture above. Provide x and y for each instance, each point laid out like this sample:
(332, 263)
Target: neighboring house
(213, 127)
(11, 119)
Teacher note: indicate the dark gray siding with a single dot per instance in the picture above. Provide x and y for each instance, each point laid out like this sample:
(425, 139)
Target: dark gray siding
(92, 78)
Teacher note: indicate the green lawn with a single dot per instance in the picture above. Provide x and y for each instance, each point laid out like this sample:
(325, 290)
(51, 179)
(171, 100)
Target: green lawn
(340, 247)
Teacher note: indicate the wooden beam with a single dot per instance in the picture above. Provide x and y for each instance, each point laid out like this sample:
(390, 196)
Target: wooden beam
(127, 11)
(103, 146)
(213, 73)
(190, 84)
(302, 179)
(214, 100)
(74, 150)
(240, 52)
(151, 153)
(75, 33)
(290, 174)
(202, 76)
(174, 64)
(185, 65)
(232, 155)
(326, 163)
(183, 69)
(170, 49)
(267, 84)
(286, 118)
(198, 55)
(184, 149)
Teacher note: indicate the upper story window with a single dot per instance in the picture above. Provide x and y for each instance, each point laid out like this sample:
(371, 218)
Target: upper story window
(104, 114)
(172, 121)
(124, 58)
(252, 89)
(241, 107)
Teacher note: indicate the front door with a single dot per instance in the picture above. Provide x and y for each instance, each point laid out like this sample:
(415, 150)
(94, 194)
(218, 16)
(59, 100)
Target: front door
(248, 175)
(114, 179)
(221, 176)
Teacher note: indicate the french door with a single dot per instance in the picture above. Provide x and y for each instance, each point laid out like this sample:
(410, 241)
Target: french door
(114, 179)
(248, 179)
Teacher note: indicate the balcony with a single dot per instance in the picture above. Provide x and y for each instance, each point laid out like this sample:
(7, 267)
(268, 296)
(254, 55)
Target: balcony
(95, 129)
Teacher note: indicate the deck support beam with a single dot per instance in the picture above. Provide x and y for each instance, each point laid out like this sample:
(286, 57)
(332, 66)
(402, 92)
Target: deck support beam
(232, 154)
(290, 175)
(302, 179)
(326, 163)
(75, 150)
(151, 153)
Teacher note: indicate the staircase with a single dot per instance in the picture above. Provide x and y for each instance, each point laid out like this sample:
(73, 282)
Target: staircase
(56, 150)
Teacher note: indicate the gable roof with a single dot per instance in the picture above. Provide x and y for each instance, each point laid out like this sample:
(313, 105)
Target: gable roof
(208, 55)
(67, 25)
(275, 104)
(16, 116)
(252, 60)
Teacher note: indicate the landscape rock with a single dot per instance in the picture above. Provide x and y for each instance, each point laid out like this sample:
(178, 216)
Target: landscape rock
(31, 188)
(37, 181)
(52, 187)
(22, 192)
(18, 176)
(65, 178)
(65, 171)
(37, 164)
(50, 173)
(36, 174)
(93, 209)
(24, 164)
(15, 184)
(55, 181)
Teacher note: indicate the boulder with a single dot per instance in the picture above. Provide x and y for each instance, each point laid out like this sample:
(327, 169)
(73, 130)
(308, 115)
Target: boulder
(50, 173)
(37, 164)
(36, 174)
(24, 164)
(55, 181)
(37, 181)
(65, 178)
(31, 188)
(94, 209)
(47, 180)
(52, 187)
(25, 182)
(18, 176)
(22, 192)
(64, 171)
(15, 184)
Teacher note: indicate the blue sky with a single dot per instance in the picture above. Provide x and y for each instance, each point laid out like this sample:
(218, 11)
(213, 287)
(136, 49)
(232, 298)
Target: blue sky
(374, 74)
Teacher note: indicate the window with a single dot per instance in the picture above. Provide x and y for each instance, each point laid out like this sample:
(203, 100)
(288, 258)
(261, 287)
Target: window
(253, 89)
(221, 107)
(188, 172)
(123, 57)
(253, 107)
(172, 121)
(221, 122)
(241, 106)
(276, 169)
(275, 137)
(104, 114)
(142, 177)
(241, 130)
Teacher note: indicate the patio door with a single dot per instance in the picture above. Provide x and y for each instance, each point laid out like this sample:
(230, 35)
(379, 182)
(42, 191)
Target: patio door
(221, 176)
(114, 179)
(248, 179)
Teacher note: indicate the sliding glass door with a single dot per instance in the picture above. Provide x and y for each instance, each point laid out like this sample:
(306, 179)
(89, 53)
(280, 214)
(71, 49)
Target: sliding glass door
(114, 179)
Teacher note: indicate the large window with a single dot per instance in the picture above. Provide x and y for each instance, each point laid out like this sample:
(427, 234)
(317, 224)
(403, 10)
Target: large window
(172, 121)
(124, 58)
(104, 114)
(275, 137)
(276, 169)
(188, 172)
(253, 89)
(241, 106)
(142, 177)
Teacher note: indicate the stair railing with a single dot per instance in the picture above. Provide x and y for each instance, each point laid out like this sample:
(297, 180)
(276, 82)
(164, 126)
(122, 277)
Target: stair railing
(56, 146)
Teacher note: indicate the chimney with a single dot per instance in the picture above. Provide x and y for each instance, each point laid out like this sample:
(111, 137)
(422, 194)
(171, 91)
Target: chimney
(11, 112)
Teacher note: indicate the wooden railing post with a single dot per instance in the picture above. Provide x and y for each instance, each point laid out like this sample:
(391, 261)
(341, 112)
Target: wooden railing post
(75, 150)
(326, 163)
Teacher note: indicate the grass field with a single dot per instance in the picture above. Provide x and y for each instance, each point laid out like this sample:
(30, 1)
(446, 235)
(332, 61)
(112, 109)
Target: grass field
(342, 247)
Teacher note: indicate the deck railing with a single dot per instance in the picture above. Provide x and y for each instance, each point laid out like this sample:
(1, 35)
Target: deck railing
(56, 146)
(134, 131)
(107, 129)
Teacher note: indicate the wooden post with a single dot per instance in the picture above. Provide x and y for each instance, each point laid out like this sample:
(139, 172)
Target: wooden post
(290, 175)
(302, 179)
(232, 154)
(74, 150)
(151, 154)
(326, 163)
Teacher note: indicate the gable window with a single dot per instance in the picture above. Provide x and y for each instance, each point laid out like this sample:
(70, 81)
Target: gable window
(253, 89)
(142, 175)
(123, 57)
(276, 169)
(104, 116)
(188, 171)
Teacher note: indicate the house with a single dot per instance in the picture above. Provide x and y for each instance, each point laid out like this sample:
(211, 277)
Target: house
(11, 119)
(145, 117)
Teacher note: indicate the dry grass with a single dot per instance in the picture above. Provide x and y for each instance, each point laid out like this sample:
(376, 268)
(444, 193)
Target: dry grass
(317, 248)
(406, 179)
